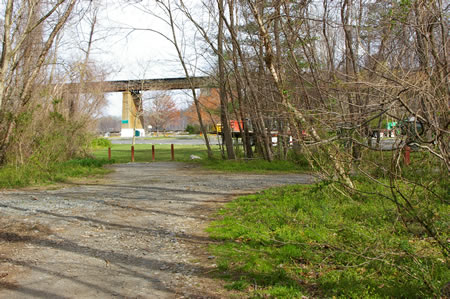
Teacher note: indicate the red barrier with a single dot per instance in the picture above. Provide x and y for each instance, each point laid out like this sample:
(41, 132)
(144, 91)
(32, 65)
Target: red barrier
(172, 152)
(407, 155)
(132, 153)
(153, 153)
(109, 153)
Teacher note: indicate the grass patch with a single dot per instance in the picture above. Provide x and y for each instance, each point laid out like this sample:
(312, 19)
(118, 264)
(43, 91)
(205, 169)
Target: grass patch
(254, 166)
(298, 241)
(34, 174)
(121, 153)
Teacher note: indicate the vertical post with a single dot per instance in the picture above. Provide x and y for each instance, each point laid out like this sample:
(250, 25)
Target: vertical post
(109, 153)
(172, 152)
(407, 155)
(132, 153)
(153, 153)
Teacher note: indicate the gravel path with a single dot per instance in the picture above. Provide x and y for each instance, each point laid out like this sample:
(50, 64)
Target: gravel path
(137, 233)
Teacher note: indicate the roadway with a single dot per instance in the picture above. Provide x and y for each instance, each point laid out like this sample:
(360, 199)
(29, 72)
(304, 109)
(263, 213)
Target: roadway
(181, 140)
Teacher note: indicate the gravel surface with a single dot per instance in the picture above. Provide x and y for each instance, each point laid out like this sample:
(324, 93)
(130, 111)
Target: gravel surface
(137, 233)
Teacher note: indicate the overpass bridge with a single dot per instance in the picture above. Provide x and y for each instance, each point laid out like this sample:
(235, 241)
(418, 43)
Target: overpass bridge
(131, 103)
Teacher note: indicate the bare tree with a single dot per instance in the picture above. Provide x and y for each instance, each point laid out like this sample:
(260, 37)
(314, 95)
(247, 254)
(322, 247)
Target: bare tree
(37, 119)
(26, 24)
(161, 110)
(222, 87)
(163, 11)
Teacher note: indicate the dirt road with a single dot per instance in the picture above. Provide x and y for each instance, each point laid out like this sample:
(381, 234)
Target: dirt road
(137, 233)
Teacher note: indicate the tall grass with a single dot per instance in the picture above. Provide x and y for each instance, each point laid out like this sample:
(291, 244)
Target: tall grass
(35, 174)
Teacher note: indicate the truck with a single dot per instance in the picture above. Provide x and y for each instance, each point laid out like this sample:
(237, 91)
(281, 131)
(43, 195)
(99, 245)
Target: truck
(234, 127)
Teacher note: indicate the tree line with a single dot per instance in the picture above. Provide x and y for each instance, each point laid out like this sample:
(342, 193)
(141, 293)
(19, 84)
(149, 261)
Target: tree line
(40, 121)
(326, 73)
(331, 75)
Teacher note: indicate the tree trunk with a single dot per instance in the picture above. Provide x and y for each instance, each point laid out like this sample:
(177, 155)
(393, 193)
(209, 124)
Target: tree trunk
(226, 132)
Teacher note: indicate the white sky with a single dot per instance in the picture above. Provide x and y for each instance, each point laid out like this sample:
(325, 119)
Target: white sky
(134, 54)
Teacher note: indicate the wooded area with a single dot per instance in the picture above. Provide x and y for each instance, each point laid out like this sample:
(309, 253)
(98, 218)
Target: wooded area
(327, 73)
(337, 70)
(39, 121)
(329, 67)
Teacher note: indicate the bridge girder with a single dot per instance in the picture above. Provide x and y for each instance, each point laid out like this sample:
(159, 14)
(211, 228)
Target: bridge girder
(132, 117)
(142, 85)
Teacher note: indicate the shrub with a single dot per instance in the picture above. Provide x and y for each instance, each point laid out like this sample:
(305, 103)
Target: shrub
(193, 129)
(100, 143)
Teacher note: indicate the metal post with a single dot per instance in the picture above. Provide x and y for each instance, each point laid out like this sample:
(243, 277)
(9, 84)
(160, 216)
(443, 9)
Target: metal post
(109, 153)
(172, 152)
(132, 153)
(153, 153)
(407, 155)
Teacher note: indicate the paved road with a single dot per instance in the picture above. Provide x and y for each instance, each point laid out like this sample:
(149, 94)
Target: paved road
(386, 144)
(183, 140)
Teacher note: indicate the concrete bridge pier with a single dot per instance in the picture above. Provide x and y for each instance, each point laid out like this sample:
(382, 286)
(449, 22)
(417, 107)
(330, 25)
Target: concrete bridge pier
(131, 103)
(132, 112)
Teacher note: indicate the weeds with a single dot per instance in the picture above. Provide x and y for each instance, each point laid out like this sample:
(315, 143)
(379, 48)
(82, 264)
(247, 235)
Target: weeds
(35, 174)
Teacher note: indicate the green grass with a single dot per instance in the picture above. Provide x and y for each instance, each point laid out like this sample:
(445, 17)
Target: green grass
(121, 153)
(254, 166)
(33, 174)
(299, 241)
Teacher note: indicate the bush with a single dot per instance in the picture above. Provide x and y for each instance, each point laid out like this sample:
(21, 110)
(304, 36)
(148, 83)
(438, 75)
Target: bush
(100, 143)
(36, 173)
(193, 129)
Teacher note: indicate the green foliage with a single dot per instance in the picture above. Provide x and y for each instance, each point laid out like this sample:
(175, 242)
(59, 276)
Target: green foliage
(299, 160)
(314, 241)
(374, 123)
(100, 143)
(121, 153)
(57, 101)
(42, 137)
(193, 129)
(35, 174)
(256, 165)
(399, 11)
